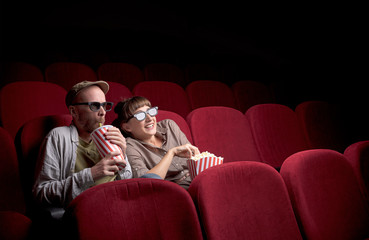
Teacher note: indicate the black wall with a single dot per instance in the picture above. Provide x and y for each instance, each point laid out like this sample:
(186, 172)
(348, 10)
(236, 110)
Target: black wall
(308, 50)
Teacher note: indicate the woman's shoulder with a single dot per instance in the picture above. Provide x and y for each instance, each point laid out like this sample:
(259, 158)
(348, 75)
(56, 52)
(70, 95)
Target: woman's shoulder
(167, 123)
(131, 141)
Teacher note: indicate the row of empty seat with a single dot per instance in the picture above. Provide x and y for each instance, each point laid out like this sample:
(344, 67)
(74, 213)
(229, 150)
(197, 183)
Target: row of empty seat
(67, 73)
(322, 122)
(49, 97)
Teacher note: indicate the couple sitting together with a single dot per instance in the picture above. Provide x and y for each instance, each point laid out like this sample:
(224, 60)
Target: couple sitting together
(70, 163)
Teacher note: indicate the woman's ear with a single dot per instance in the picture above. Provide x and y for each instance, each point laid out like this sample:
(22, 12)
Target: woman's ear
(126, 127)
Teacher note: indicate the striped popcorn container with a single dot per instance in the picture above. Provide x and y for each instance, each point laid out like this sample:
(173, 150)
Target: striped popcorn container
(198, 165)
(104, 146)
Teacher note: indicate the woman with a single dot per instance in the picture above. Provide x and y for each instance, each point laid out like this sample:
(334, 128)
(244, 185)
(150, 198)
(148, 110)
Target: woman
(158, 148)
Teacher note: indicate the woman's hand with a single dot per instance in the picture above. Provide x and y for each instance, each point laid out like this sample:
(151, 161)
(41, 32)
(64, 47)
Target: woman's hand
(185, 151)
(115, 136)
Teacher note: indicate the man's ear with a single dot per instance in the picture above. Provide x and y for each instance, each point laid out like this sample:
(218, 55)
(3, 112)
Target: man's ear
(72, 111)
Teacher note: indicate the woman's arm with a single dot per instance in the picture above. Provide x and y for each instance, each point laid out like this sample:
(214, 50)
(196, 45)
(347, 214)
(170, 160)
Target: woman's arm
(185, 151)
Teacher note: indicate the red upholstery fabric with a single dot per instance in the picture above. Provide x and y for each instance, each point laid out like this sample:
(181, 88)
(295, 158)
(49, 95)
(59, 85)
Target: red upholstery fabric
(20, 71)
(181, 122)
(224, 132)
(67, 74)
(200, 71)
(204, 93)
(14, 226)
(276, 132)
(23, 101)
(127, 74)
(322, 125)
(244, 200)
(164, 72)
(358, 156)
(31, 136)
(325, 195)
(138, 208)
(166, 95)
(10, 188)
(117, 92)
(250, 93)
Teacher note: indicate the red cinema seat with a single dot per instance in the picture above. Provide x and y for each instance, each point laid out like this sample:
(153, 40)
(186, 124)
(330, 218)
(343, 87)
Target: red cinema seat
(358, 156)
(325, 195)
(276, 132)
(23, 101)
(29, 141)
(12, 198)
(67, 74)
(20, 71)
(166, 95)
(224, 132)
(244, 200)
(140, 208)
(117, 92)
(164, 72)
(250, 93)
(181, 122)
(125, 73)
(15, 226)
(200, 71)
(205, 93)
(323, 125)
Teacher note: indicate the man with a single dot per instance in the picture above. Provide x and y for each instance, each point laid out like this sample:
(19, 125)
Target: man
(69, 160)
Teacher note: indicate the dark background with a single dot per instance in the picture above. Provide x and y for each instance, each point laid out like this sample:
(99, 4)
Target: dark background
(307, 50)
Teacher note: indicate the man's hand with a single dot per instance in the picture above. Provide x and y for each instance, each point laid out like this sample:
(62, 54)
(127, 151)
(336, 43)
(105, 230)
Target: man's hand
(115, 136)
(107, 166)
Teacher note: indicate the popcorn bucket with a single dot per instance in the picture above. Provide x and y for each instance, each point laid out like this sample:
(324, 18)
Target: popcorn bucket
(202, 162)
(104, 146)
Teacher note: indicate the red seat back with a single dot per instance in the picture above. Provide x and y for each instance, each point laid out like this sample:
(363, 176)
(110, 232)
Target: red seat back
(224, 132)
(250, 93)
(14, 225)
(358, 156)
(325, 195)
(181, 122)
(205, 93)
(200, 71)
(23, 101)
(117, 92)
(244, 200)
(276, 132)
(127, 74)
(20, 71)
(164, 72)
(166, 95)
(67, 74)
(31, 136)
(138, 208)
(12, 198)
(322, 124)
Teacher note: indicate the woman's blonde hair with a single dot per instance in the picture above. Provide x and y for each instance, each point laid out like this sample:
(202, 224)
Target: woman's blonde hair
(125, 110)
